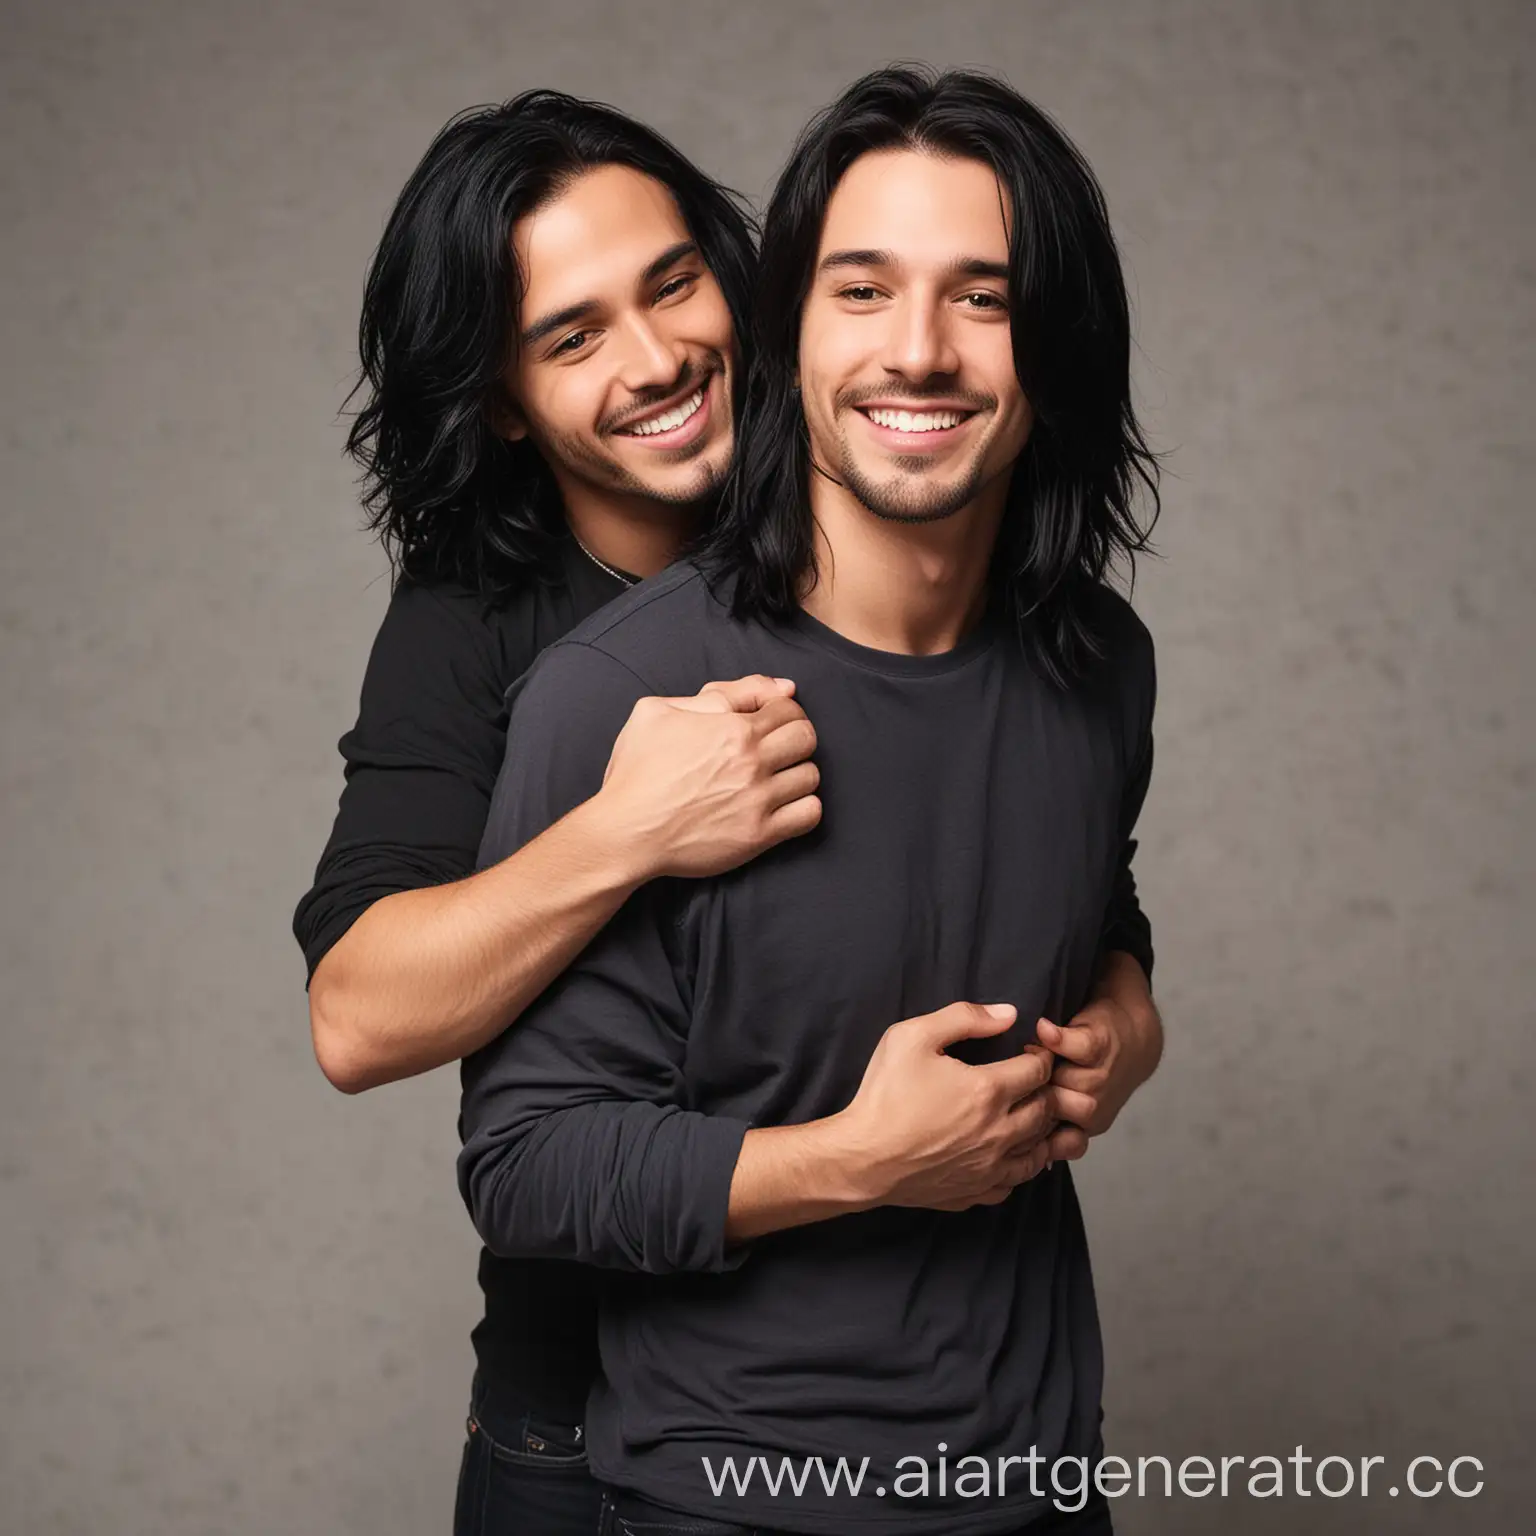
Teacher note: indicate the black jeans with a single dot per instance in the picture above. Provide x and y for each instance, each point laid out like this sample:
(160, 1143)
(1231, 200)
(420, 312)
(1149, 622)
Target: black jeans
(522, 1473)
(627, 1514)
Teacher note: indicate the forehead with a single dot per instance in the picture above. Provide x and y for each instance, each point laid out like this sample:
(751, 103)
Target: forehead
(595, 237)
(927, 209)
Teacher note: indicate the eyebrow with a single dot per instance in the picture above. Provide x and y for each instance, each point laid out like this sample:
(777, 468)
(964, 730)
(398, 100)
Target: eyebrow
(547, 325)
(961, 266)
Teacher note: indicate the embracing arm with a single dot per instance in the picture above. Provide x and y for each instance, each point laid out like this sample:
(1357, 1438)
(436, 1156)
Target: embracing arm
(427, 976)
(417, 962)
(577, 1141)
(1115, 1041)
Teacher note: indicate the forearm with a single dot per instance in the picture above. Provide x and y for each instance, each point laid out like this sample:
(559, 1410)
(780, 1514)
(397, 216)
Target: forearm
(793, 1175)
(638, 1186)
(1121, 980)
(428, 976)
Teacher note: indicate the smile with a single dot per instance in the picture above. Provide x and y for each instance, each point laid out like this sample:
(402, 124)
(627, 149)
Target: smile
(669, 420)
(916, 421)
(906, 430)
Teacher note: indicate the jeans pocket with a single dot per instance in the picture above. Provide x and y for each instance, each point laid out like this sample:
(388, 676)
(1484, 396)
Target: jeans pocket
(553, 1441)
(548, 1492)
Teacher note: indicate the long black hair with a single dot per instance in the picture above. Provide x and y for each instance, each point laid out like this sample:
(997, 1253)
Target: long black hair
(1069, 515)
(449, 498)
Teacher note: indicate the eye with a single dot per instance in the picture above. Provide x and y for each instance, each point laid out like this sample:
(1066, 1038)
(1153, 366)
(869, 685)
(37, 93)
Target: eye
(860, 293)
(572, 343)
(675, 286)
(984, 300)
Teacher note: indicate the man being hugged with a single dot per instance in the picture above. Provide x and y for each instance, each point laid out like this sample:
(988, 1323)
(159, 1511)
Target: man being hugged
(935, 472)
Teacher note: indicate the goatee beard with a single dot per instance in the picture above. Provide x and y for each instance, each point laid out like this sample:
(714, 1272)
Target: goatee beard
(893, 503)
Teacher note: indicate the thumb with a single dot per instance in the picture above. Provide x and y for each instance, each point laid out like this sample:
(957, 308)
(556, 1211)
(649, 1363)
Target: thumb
(745, 694)
(967, 1021)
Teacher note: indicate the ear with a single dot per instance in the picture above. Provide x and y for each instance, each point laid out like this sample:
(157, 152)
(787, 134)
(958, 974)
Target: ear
(507, 419)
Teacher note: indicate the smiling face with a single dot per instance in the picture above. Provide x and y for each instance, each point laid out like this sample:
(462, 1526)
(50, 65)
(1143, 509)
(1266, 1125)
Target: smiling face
(625, 350)
(906, 351)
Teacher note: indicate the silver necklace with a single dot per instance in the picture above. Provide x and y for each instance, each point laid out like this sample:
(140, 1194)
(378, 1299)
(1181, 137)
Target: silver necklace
(618, 576)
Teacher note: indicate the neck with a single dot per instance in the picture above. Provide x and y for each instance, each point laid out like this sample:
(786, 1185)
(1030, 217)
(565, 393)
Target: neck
(915, 589)
(632, 533)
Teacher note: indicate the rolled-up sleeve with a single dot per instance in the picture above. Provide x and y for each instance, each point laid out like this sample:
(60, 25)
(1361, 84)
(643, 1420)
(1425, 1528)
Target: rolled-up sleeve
(576, 1140)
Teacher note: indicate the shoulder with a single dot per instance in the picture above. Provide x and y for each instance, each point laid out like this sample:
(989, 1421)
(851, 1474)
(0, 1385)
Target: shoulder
(437, 617)
(446, 628)
(648, 610)
(1123, 630)
(655, 625)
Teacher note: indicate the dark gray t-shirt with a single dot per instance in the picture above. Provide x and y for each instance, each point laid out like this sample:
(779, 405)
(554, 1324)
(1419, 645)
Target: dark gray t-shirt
(976, 820)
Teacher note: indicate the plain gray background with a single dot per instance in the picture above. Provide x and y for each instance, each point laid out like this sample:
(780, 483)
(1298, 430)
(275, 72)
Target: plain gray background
(235, 1301)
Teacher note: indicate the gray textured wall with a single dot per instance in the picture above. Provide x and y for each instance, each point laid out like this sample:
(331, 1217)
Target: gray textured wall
(234, 1301)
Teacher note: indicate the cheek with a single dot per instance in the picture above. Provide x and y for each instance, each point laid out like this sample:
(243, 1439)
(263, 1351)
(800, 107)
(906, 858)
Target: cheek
(567, 407)
(1015, 416)
(832, 359)
(706, 321)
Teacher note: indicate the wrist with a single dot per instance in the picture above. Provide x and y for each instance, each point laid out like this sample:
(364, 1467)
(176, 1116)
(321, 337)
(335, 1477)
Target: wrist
(632, 854)
(846, 1168)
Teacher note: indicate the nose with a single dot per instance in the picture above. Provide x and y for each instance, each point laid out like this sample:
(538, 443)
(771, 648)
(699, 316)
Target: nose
(649, 359)
(919, 345)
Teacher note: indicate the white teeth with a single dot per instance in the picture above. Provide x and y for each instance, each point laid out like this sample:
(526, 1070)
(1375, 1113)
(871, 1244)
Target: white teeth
(670, 420)
(916, 421)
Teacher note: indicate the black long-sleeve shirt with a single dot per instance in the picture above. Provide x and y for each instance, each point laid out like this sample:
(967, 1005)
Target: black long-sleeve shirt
(421, 762)
(430, 737)
(975, 844)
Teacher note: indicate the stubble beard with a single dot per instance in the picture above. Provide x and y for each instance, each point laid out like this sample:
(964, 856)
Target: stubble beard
(909, 497)
(584, 459)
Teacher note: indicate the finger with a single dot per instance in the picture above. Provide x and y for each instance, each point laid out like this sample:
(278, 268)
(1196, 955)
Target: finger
(1067, 1143)
(767, 718)
(1016, 1077)
(794, 819)
(1031, 1119)
(792, 783)
(747, 693)
(1088, 1080)
(1079, 1108)
(1083, 1044)
(1027, 1165)
(792, 742)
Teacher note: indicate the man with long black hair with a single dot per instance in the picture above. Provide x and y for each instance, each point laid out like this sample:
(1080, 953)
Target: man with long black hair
(550, 356)
(936, 473)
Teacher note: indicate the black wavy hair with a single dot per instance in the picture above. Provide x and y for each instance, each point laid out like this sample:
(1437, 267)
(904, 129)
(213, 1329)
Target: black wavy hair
(449, 499)
(1069, 515)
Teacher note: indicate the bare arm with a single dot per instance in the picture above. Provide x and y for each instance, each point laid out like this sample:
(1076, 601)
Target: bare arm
(695, 786)
(925, 1129)
(425, 977)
